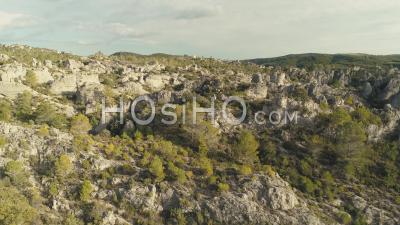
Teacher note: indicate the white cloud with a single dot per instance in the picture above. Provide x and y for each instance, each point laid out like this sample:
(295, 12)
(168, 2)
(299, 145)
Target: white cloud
(12, 20)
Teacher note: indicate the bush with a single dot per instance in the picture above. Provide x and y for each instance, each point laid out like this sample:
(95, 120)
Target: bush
(344, 218)
(86, 191)
(246, 148)
(223, 187)
(177, 173)
(15, 208)
(156, 168)
(16, 172)
(306, 185)
(269, 170)
(63, 166)
(43, 131)
(3, 141)
(24, 106)
(112, 151)
(339, 117)
(245, 170)
(82, 143)
(206, 166)
(31, 79)
(80, 125)
(47, 114)
(5, 110)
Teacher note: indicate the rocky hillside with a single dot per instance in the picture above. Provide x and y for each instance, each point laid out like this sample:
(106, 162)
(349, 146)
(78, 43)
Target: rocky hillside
(338, 163)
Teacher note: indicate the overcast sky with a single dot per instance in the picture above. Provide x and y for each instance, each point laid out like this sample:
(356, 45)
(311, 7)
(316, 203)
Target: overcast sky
(229, 29)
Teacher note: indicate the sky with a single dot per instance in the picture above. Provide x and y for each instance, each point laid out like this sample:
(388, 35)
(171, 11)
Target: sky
(227, 29)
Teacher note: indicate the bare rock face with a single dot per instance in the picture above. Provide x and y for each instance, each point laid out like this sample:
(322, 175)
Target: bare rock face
(258, 91)
(43, 75)
(374, 215)
(12, 72)
(73, 65)
(391, 89)
(263, 200)
(4, 58)
(366, 90)
(65, 84)
(12, 90)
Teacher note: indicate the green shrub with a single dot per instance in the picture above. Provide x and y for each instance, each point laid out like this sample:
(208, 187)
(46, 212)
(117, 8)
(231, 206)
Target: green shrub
(246, 149)
(63, 166)
(245, 170)
(339, 117)
(177, 173)
(5, 110)
(31, 79)
(43, 131)
(47, 114)
(156, 168)
(80, 125)
(82, 143)
(16, 172)
(86, 191)
(307, 185)
(205, 166)
(344, 218)
(112, 151)
(24, 106)
(223, 187)
(3, 141)
(15, 208)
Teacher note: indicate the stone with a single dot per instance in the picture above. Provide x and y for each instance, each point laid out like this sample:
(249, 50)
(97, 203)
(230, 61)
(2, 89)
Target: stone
(12, 90)
(43, 75)
(12, 72)
(282, 198)
(257, 78)
(391, 89)
(4, 58)
(73, 65)
(366, 90)
(67, 84)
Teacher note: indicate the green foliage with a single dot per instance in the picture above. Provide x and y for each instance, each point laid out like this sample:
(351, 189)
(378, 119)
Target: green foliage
(112, 151)
(53, 189)
(339, 117)
(15, 208)
(307, 185)
(366, 117)
(86, 191)
(246, 150)
(177, 173)
(223, 187)
(16, 172)
(80, 125)
(156, 168)
(344, 218)
(47, 114)
(3, 141)
(245, 170)
(205, 166)
(43, 131)
(72, 220)
(82, 143)
(24, 106)
(5, 110)
(31, 79)
(63, 166)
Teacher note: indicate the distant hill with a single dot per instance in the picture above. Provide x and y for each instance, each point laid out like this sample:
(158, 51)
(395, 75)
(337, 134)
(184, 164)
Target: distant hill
(310, 60)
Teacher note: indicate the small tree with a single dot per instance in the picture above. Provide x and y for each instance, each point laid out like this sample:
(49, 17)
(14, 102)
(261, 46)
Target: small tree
(156, 168)
(63, 166)
(16, 172)
(47, 114)
(80, 124)
(31, 79)
(24, 106)
(86, 191)
(5, 110)
(246, 149)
